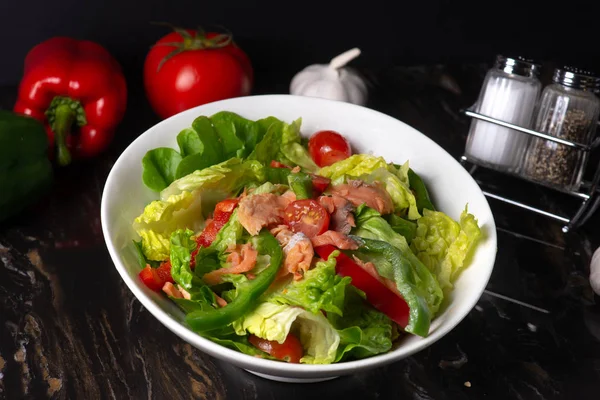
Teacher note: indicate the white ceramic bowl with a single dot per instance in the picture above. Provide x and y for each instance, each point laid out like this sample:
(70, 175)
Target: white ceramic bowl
(368, 131)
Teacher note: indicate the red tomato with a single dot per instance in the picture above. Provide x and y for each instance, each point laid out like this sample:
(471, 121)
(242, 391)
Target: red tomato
(181, 73)
(306, 216)
(223, 211)
(290, 350)
(155, 278)
(379, 295)
(328, 147)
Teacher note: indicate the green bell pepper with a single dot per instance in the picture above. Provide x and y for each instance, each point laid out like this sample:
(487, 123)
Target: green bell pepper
(25, 171)
(247, 292)
(391, 264)
(420, 191)
(301, 185)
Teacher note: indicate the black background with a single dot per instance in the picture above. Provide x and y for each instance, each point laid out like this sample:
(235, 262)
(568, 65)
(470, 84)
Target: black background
(282, 37)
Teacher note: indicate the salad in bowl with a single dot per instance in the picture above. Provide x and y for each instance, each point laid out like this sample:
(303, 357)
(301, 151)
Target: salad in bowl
(295, 249)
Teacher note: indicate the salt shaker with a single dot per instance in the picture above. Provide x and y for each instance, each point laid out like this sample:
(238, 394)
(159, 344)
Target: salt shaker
(509, 93)
(568, 110)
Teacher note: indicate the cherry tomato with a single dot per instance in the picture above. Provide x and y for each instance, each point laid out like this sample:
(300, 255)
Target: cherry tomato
(155, 278)
(306, 216)
(328, 147)
(290, 350)
(185, 69)
(378, 294)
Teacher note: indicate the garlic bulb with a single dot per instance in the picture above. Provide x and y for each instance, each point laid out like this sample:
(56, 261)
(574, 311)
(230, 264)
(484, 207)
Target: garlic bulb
(595, 272)
(332, 81)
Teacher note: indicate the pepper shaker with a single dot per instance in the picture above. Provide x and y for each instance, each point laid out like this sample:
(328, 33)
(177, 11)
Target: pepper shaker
(509, 93)
(568, 110)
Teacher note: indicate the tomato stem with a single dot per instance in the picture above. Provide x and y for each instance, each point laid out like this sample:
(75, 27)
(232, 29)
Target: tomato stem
(196, 41)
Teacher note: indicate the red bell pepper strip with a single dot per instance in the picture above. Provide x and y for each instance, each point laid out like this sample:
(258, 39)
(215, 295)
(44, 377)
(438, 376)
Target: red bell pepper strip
(155, 278)
(223, 211)
(68, 81)
(378, 294)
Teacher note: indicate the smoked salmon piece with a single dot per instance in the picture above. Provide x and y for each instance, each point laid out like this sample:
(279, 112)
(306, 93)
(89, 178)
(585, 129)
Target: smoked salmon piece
(242, 259)
(261, 210)
(298, 251)
(336, 239)
(342, 219)
(359, 192)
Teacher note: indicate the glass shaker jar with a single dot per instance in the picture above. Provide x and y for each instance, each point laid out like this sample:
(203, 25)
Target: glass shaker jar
(568, 110)
(509, 93)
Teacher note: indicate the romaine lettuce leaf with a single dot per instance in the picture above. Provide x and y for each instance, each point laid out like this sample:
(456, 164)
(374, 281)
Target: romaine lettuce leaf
(162, 217)
(320, 289)
(182, 246)
(218, 181)
(355, 166)
(292, 148)
(275, 321)
(363, 330)
(443, 244)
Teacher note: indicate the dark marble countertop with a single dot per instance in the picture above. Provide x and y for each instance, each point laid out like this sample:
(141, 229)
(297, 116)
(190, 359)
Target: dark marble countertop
(70, 328)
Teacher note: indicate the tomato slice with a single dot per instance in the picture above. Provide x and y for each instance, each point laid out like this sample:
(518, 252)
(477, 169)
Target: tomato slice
(306, 216)
(290, 350)
(328, 147)
(155, 278)
(378, 294)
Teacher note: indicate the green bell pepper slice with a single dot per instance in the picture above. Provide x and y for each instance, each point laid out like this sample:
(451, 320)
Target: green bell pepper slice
(248, 292)
(391, 264)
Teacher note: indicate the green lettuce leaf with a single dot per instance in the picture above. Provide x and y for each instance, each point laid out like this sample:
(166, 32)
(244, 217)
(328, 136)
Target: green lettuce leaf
(363, 330)
(240, 135)
(354, 166)
(404, 227)
(375, 169)
(275, 321)
(282, 142)
(229, 234)
(218, 181)
(292, 148)
(162, 217)
(320, 289)
(182, 245)
(370, 225)
(443, 244)
(160, 167)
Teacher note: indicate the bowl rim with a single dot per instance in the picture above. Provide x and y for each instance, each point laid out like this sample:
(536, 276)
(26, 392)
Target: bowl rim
(259, 364)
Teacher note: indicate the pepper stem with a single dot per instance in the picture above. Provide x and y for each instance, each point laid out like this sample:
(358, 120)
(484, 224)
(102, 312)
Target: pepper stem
(64, 118)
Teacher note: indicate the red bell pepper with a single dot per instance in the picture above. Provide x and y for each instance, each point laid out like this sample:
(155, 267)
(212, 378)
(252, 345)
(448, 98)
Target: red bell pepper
(378, 294)
(68, 81)
(155, 278)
